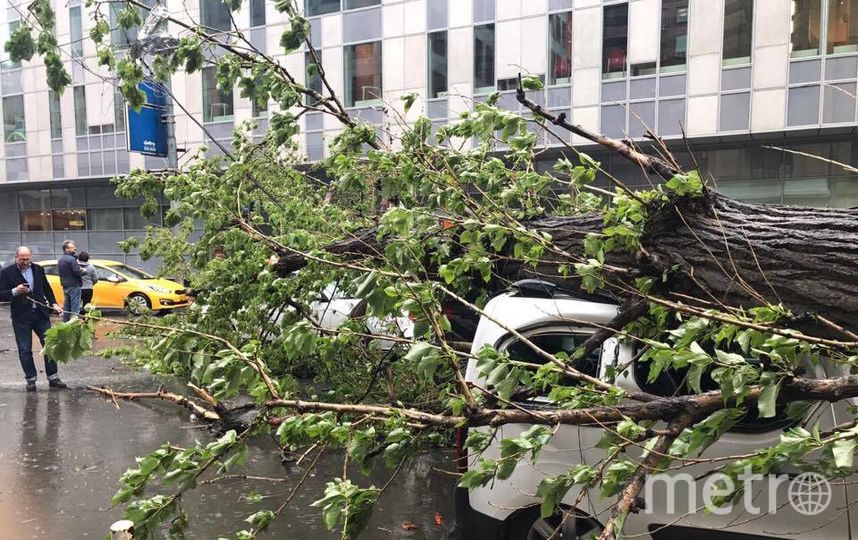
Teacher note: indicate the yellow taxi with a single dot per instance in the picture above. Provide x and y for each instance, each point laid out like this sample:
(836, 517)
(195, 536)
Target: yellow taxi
(124, 287)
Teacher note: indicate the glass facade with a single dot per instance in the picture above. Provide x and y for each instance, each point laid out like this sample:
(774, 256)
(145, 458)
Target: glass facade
(560, 48)
(363, 83)
(806, 26)
(75, 32)
(738, 31)
(313, 8)
(257, 13)
(56, 115)
(215, 15)
(437, 64)
(314, 79)
(357, 4)
(14, 126)
(80, 122)
(484, 58)
(217, 103)
(674, 35)
(92, 216)
(615, 41)
(842, 26)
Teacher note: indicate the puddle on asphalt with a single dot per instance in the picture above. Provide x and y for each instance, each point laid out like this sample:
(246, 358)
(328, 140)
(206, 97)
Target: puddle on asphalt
(62, 453)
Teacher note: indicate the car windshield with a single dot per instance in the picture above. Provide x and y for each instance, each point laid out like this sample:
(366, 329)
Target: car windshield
(130, 271)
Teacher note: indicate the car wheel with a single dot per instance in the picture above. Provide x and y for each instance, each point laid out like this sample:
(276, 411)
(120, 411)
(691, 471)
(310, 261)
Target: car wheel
(137, 304)
(534, 527)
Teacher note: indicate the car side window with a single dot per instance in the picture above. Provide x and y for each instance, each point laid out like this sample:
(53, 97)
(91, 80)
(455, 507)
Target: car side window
(553, 343)
(50, 270)
(104, 274)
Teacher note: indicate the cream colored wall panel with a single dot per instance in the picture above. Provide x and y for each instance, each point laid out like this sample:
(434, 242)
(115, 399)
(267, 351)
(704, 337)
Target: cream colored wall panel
(704, 74)
(459, 12)
(644, 22)
(702, 115)
(508, 9)
(588, 118)
(70, 164)
(99, 105)
(706, 26)
(587, 38)
(392, 20)
(459, 99)
(586, 84)
(415, 17)
(533, 7)
(507, 49)
(393, 62)
(771, 66)
(768, 110)
(771, 23)
(460, 54)
(534, 44)
(586, 3)
(332, 30)
(414, 62)
(194, 94)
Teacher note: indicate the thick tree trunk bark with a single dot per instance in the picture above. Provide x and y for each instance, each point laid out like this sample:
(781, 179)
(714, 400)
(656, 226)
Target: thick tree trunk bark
(725, 250)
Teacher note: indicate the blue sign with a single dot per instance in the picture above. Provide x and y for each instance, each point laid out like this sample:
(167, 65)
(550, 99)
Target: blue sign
(147, 131)
(156, 95)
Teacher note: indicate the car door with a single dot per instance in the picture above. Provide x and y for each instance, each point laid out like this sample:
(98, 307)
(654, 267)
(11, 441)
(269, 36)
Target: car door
(52, 273)
(673, 503)
(109, 291)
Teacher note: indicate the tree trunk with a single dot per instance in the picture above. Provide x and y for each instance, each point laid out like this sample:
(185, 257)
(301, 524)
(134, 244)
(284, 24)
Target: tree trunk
(727, 251)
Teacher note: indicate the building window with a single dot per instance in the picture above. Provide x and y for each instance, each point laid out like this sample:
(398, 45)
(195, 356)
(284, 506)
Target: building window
(258, 108)
(615, 41)
(217, 103)
(363, 74)
(257, 13)
(105, 219)
(314, 77)
(313, 8)
(80, 123)
(806, 17)
(56, 115)
(674, 35)
(484, 58)
(6, 33)
(76, 32)
(14, 128)
(120, 36)
(738, 31)
(437, 64)
(69, 220)
(842, 26)
(357, 4)
(560, 48)
(119, 110)
(214, 15)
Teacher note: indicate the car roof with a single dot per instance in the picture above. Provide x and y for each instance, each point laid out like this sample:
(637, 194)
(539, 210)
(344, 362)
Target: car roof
(102, 262)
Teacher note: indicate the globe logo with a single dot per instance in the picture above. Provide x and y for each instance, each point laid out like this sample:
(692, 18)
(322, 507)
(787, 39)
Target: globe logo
(809, 493)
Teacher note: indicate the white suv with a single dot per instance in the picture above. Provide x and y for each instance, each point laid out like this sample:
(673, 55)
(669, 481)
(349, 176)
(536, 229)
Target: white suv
(509, 509)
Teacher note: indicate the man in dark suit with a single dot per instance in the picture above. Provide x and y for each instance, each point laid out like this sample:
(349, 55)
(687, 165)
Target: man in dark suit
(24, 285)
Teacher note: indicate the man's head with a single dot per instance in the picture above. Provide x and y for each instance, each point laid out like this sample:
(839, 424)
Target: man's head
(69, 247)
(23, 257)
(83, 256)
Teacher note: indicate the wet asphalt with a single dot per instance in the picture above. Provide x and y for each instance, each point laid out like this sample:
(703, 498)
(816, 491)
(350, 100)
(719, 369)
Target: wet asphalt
(62, 452)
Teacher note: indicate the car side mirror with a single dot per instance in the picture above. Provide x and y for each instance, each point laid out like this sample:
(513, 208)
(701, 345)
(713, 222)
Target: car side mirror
(113, 279)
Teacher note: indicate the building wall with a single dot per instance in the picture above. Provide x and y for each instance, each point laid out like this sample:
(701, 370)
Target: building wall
(782, 91)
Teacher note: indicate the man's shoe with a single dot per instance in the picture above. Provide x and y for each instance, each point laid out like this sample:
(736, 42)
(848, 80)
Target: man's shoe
(58, 384)
(31, 386)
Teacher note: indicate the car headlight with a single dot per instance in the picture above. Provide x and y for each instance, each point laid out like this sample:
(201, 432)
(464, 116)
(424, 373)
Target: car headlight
(161, 290)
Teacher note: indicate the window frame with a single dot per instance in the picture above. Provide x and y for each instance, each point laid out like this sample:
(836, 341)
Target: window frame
(486, 89)
(606, 73)
(738, 61)
(209, 118)
(350, 102)
(55, 102)
(551, 81)
(430, 78)
(15, 132)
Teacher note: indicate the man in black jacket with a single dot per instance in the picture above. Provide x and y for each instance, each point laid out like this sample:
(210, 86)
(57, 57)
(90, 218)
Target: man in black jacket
(24, 285)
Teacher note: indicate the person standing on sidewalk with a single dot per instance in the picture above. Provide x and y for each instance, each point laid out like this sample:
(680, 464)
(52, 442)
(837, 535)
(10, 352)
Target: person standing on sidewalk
(88, 279)
(24, 285)
(70, 279)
